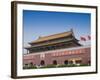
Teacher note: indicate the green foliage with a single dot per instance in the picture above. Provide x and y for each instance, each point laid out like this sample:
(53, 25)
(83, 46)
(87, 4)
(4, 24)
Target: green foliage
(56, 66)
(32, 67)
(70, 65)
(85, 65)
(49, 66)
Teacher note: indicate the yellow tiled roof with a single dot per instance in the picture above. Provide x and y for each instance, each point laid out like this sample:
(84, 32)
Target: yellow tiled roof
(54, 36)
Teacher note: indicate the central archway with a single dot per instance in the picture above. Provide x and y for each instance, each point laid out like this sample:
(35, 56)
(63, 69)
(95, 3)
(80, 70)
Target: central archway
(66, 62)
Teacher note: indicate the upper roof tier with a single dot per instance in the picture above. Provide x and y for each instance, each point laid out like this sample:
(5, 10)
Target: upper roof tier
(54, 36)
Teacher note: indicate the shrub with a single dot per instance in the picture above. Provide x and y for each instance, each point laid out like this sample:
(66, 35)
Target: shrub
(31, 67)
(49, 66)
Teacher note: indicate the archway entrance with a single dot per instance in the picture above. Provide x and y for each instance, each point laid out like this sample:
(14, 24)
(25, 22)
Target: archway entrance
(55, 62)
(66, 62)
(42, 62)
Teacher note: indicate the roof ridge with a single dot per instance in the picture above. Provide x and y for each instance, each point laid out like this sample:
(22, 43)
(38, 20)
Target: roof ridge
(52, 35)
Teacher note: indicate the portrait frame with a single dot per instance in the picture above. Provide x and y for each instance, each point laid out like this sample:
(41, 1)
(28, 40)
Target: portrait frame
(15, 32)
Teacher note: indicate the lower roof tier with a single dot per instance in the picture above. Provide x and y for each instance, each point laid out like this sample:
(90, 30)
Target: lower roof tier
(53, 47)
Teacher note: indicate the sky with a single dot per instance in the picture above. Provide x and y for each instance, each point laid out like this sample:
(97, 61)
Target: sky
(44, 23)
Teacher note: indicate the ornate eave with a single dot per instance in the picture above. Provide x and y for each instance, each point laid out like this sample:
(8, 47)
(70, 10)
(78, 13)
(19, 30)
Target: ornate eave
(64, 40)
